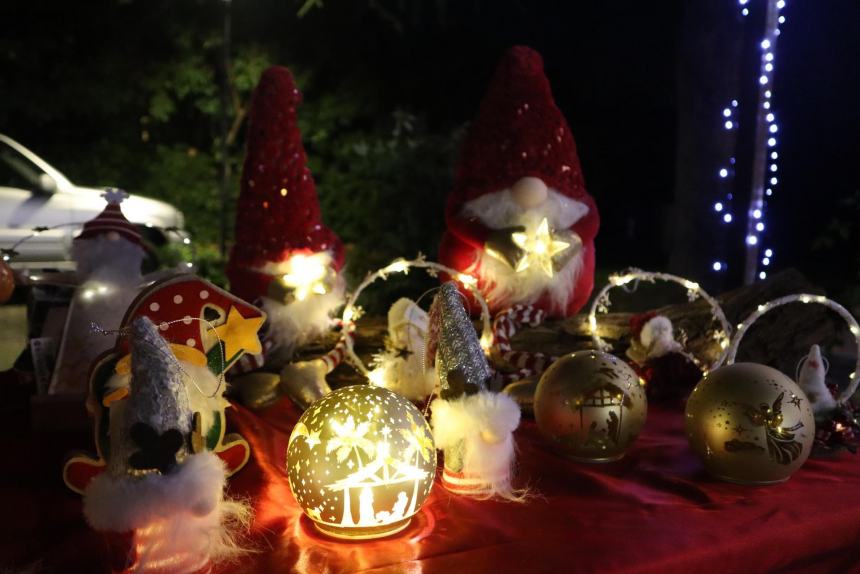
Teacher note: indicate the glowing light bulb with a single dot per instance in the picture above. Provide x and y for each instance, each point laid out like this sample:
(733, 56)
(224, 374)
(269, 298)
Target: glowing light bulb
(773, 167)
(767, 93)
(734, 103)
(773, 128)
(724, 172)
(782, 19)
(768, 67)
(186, 241)
(729, 125)
(769, 57)
(780, 5)
(762, 275)
(765, 261)
(752, 240)
(765, 44)
(762, 80)
(718, 206)
(768, 192)
(774, 181)
(756, 213)
(306, 274)
(718, 266)
(768, 252)
(467, 280)
(759, 226)
(539, 248)
(774, 155)
(771, 142)
(727, 113)
(727, 218)
(769, 117)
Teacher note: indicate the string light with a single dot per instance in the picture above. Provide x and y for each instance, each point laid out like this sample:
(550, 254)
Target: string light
(804, 298)
(601, 304)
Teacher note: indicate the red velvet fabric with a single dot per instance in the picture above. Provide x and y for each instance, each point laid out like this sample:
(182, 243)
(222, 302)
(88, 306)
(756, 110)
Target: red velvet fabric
(654, 511)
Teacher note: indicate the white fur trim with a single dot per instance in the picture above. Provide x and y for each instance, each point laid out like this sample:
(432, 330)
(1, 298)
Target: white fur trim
(499, 209)
(404, 376)
(484, 423)
(121, 503)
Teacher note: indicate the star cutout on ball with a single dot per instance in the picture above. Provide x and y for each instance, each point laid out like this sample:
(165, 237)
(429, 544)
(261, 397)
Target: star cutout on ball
(313, 438)
(539, 248)
(240, 334)
(795, 400)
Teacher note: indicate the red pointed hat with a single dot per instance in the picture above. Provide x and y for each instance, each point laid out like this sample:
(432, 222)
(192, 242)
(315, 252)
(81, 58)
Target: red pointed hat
(278, 211)
(111, 220)
(519, 132)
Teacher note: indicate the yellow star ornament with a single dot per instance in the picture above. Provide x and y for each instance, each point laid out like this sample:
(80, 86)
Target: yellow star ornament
(240, 334)
(539, 248)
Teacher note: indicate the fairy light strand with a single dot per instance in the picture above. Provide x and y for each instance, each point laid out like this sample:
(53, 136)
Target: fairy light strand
(762, 190)
(805, 298)
(602, 303)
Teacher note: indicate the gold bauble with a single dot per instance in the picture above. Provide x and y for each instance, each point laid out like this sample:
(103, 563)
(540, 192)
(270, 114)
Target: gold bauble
(750, 424)
(361, 462)
(591, 406)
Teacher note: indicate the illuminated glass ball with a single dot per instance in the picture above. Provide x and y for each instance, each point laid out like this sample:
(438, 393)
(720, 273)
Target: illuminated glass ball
(361, 462)
(591, 406)
(750, 424)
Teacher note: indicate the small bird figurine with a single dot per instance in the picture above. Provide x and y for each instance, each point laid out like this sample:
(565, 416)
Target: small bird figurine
(811, 380)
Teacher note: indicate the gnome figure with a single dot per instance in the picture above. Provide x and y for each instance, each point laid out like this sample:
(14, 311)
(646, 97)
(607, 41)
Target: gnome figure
(471, 424)
(519, 218)
(109, 254)
(668, 370)
(400, 367)
(811, 379)
(160, 503)
(284, 258)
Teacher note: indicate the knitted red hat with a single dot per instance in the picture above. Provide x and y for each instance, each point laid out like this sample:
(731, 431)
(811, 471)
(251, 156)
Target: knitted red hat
(519, 132)
(278, 212)
(111, 220)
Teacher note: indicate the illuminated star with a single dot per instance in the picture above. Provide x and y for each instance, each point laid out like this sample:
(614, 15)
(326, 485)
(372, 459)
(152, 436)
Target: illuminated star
(240, 334)
(313, 438)
(539, 248)
(795, 400)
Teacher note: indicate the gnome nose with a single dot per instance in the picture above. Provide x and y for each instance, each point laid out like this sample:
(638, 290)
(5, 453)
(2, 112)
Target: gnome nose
(529, 192)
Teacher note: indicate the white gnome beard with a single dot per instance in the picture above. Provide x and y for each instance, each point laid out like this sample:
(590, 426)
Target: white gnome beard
(116, 261)
(299, 322)
(109, 280)
(502, 285)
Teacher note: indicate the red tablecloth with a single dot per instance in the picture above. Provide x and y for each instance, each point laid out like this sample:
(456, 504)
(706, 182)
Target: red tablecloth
(654, 511)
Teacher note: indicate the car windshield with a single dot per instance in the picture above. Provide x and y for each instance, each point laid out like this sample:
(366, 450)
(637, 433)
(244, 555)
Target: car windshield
(17, 171)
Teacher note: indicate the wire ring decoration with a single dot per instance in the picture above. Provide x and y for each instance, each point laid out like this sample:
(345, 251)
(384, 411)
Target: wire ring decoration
(351, 311)
(853, 326)
(629, 280)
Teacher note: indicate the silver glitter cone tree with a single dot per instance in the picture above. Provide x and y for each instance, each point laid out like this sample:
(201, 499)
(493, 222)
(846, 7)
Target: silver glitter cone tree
(453, 346)
(152, 429)
(471, 424)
